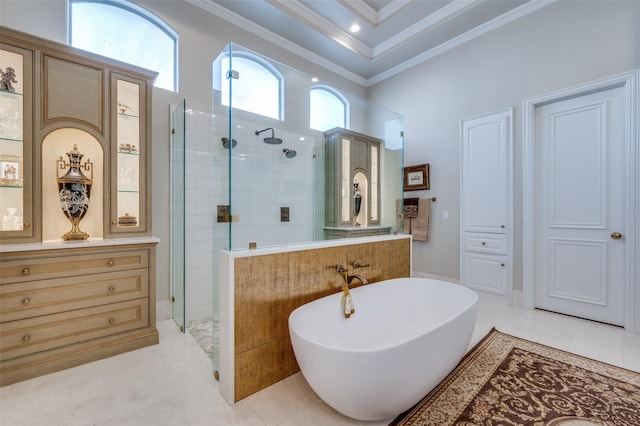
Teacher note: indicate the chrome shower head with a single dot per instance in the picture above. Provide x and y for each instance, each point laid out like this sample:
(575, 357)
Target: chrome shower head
(225, 143)
(272, 140)
(289, 153)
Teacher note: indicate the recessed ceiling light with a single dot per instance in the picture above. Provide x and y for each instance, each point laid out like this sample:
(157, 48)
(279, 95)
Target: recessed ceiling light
(354, 28)
(315, 79)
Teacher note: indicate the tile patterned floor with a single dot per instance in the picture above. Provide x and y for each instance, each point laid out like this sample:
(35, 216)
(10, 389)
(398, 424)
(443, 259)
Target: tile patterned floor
(171, 383)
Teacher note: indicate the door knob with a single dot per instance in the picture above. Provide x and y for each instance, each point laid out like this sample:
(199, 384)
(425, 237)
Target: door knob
(616, 235)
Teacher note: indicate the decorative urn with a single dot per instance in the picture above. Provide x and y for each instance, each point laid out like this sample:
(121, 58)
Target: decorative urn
(74, 190)
(357, 203)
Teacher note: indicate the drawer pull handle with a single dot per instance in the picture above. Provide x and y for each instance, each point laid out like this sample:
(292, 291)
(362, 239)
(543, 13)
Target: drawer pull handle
(111, 262)
(26, 271)
(26, 301)
(112, 288)
(502, 264)
(484, 244)
(112, 320)
(26, 224)
(26, 338)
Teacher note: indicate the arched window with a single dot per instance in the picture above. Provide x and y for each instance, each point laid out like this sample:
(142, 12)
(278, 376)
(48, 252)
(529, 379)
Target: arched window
(258, 88)
(327, 109)
(123, 31)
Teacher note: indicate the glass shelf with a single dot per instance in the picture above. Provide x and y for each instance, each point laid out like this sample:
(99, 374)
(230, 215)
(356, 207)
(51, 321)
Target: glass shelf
(126, 116)
(6, 92)
(128, 159)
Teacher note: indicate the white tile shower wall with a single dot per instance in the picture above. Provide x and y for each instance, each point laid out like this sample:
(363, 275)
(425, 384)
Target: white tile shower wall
(263, 180)
(199, 215)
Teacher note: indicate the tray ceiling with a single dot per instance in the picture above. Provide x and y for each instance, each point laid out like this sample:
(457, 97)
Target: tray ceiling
(394, 34)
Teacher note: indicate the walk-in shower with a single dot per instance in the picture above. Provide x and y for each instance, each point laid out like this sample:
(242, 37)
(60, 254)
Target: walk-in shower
(223, 164)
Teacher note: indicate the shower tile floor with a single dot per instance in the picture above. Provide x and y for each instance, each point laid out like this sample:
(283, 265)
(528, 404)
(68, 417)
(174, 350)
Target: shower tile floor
(171, 383)
(202, 331)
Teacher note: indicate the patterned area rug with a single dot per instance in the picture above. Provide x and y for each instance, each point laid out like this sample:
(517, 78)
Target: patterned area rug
(505, 380)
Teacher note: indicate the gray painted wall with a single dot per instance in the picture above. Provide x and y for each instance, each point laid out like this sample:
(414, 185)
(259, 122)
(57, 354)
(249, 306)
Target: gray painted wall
(561, 45)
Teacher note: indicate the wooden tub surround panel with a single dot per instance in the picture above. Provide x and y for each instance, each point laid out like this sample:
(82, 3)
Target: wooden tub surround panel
(269, 287)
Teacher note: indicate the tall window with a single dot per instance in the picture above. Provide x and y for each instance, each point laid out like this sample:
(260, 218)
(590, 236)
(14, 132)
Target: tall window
(327, 109)
(123, 31)
(257, 89)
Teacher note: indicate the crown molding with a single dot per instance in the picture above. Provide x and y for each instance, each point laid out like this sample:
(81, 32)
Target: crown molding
(252, 27)
(391, 9)
(270, 36)
(369, 14)
(321, 24)
(495, 23)
(442, 15)
(363, 10)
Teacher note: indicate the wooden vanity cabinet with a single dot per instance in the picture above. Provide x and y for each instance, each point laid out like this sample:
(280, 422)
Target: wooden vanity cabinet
(59, 308)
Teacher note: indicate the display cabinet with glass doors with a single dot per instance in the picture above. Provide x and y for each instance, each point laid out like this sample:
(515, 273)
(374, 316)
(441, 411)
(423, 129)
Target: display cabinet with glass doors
(77, 259)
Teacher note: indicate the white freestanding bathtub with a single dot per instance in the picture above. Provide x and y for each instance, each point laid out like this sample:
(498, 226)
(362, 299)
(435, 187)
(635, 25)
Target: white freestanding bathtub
(405, 336)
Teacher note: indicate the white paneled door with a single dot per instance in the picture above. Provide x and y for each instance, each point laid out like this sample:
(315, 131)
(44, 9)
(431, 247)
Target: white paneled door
(486, 203)
(580, 189)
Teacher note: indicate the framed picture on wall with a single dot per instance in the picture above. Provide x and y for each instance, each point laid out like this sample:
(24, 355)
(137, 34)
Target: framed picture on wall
(416, 177)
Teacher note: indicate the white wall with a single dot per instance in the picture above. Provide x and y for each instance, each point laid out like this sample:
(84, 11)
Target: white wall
(560, 45)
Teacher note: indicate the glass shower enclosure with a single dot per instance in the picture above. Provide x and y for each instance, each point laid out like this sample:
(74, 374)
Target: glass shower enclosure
(254, 180)
(177, 197)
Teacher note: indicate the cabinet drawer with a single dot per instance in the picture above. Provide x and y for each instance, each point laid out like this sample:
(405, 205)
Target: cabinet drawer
(486, 243)
(23, 337)
(40, 268)
(35, 298)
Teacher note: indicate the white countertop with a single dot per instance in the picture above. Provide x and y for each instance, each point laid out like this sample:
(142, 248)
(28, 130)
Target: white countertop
(313, 245)
(59, 244)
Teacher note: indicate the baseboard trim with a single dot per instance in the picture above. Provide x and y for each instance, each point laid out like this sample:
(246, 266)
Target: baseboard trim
(417, 274)
(516, 295)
